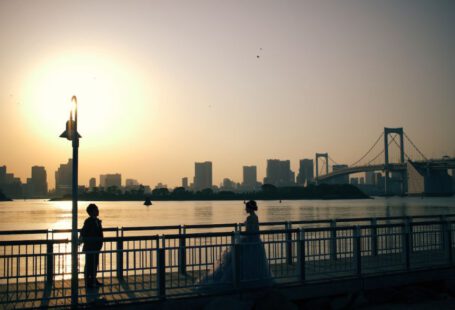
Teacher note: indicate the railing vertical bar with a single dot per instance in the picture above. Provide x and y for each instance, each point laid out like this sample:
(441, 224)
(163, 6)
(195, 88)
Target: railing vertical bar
(333, 240)
(236, 259)
(374, 237)
(50, 262)
(406, 243)
(357, 250)
(301, 254)
(288, 236)
(161, 276)
(182, 250)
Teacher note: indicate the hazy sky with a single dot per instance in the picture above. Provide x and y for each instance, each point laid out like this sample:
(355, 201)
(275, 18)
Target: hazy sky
(162, 84)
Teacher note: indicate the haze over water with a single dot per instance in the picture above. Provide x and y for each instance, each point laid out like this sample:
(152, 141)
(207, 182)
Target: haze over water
(42, 214)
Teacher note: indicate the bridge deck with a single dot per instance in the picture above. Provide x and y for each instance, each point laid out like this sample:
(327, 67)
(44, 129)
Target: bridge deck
(141, 287)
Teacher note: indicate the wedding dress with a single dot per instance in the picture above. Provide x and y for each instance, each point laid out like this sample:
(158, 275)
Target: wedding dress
(253, 264)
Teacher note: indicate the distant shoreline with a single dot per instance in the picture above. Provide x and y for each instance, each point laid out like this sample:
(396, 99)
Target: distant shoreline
(214, 199)
(314, 192)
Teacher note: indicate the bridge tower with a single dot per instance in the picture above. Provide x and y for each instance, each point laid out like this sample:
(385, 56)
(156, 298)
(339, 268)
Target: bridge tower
(321, 155)
(387, 132)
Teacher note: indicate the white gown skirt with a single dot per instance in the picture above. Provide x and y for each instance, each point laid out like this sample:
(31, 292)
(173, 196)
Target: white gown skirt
(253, 267)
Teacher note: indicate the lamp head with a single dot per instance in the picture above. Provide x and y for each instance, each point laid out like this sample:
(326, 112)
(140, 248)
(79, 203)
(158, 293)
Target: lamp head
(71, 124)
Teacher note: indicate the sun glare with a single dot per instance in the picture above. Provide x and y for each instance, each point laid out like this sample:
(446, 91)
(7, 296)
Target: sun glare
(105, 92)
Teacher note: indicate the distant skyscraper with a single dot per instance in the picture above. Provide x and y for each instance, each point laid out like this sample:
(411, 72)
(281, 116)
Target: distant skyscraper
(342, 179)
(250, 177)
(185, 182)
(63, 178)
(39, 181)
(202, 175)
(109, 180)
(92, 183)
(2, 175)
(131, 183)
(10, 185)
(278, 172)
(306, 172)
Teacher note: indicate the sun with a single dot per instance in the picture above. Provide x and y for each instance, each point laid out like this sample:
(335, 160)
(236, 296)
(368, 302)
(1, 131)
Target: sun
(106, 92)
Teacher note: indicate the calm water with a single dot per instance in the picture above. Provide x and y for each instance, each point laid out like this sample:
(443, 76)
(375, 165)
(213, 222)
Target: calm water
(42, 214)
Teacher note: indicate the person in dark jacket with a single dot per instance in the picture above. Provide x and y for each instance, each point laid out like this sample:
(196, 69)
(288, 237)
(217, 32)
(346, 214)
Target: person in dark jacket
(92, 237)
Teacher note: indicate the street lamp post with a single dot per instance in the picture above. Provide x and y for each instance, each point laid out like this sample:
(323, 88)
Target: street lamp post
(71, 133)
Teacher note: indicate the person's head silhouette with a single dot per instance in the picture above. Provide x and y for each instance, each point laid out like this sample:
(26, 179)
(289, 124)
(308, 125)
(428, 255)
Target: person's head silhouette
(92, 210)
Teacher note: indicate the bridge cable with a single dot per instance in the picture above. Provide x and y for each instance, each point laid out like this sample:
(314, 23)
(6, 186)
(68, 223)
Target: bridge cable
(405, 154)
(371, 148)
(382, 152)
(331, 159)
(322, 167)
(412, 143)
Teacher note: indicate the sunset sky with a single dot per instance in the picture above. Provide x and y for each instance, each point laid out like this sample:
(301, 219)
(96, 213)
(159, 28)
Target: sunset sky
(162, 84)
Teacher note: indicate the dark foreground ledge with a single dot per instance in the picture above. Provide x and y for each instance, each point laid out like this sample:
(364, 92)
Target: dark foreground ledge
(417, 290)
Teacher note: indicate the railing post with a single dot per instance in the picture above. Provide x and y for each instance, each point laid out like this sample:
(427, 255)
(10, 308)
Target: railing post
(333, 240)
(236, 259)
(406, 245)
(410, 231)
(120, 254)
(182, 249)
(288, 227)
(446, 238)
(357, 249)
(50, 262)
(161, 270)
(301, 254)
(374, 237)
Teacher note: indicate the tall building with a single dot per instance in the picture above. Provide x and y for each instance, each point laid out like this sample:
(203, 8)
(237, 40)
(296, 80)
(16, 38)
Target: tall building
(92, 183)
(279, 173)
(63, 178)
(250, 177)
(202, 175)
(10, 185)
(39, 181)
(342, 179)
(306, 172)
(185, 183)
(110, 180)
(2, 175)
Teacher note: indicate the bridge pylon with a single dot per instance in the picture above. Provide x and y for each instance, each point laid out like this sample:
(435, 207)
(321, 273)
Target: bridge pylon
(321, 155)
(400, 133)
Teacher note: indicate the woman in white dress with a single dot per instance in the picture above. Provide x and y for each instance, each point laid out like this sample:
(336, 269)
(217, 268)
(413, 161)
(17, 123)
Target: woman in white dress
(254, 268)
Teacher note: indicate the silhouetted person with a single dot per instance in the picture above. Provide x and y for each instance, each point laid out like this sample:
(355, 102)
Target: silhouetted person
(92, 237)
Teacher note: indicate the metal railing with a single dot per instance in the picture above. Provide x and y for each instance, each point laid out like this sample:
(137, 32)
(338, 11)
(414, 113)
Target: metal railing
(150, 263)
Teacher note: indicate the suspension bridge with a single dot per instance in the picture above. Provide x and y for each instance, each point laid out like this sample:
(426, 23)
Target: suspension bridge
(389, 154)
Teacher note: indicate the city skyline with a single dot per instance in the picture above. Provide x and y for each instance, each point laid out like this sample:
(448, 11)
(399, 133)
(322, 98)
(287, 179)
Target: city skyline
(162, 86)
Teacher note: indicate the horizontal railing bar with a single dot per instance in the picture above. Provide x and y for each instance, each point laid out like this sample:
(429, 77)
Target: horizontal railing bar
(198, 226)
(24, 232)
(139, 228)
(59, 231)
(224, 225)
(223, 234)
(32, 242)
